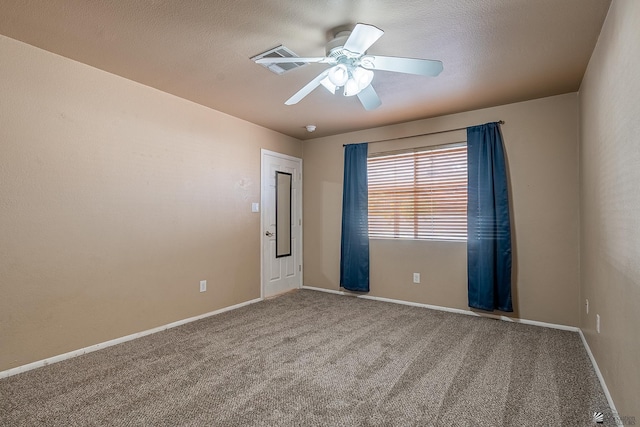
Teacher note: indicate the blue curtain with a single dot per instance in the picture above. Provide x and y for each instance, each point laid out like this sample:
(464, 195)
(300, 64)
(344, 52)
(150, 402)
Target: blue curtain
(354, 247)
(488, 224)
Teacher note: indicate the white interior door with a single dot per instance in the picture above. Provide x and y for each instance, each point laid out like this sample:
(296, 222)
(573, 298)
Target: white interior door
(280, 273)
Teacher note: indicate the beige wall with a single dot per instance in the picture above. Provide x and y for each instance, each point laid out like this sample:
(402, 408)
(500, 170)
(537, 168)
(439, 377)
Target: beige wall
(115, 200)
(610, 204)
(542, 151)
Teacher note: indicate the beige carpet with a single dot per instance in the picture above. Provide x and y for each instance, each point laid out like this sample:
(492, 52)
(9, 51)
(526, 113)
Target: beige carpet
(316, 359)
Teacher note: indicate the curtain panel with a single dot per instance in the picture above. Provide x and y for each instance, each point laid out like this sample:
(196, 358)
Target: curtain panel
(488, 221)
(354, 246)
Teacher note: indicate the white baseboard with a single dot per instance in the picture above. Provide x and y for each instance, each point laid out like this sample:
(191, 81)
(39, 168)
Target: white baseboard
(450, 310)
(601, 379)
(329, 291)
(79, 352)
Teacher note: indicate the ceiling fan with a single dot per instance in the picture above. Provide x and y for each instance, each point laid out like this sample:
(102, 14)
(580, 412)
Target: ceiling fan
(353, 69)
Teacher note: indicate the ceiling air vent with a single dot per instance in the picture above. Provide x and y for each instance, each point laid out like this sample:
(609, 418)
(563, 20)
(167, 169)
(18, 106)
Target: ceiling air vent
(279, 52)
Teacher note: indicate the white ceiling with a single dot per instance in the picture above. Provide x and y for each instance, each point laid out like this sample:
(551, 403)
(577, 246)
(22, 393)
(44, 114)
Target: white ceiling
(494, 51)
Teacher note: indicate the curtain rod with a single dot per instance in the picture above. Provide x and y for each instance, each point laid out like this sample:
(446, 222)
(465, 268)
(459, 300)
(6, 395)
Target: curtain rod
(422, 134)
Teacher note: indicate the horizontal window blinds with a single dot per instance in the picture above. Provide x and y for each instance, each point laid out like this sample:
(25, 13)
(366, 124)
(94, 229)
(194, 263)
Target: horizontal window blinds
(419, 195)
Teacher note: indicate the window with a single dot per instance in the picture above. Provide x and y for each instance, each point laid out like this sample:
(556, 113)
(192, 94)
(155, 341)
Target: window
(420, 194)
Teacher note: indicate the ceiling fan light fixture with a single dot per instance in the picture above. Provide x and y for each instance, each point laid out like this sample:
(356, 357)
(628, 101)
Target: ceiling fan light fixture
(367, 62)
(339, 75)
(362, 77)
(326, 82)
(351, 87)
(352, 69)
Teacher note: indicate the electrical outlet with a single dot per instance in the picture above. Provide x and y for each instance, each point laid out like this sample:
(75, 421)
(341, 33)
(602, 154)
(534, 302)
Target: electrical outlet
(416, 277)
(597, 323)
(203, 285)
(587, 305)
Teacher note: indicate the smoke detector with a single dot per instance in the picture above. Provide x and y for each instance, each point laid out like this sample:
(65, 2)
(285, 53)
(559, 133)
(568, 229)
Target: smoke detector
(310, 128)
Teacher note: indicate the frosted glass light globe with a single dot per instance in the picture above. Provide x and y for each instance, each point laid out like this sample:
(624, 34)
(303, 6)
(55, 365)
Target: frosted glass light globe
(351, 87)
(362, 77)
(339, 75)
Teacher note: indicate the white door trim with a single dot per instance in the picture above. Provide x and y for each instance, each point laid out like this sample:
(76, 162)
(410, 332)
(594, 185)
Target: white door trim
(263, 153)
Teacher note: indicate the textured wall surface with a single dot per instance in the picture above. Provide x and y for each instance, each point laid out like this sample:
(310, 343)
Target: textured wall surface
(542, 152)
(116, 199)
(610, 204)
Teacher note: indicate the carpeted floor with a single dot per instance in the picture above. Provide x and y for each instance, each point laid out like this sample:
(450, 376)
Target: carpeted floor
(316, 359)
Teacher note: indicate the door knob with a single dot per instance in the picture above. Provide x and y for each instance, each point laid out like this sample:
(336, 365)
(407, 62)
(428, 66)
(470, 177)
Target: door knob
(270, 234)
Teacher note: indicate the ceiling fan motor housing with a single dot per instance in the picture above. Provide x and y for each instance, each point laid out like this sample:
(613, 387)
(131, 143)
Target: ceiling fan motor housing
(340, 36)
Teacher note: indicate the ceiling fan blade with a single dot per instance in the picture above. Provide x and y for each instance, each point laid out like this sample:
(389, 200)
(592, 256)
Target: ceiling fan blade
(369, 98)
(307, 89)
(423, 67)
(283, 60)
(362, 37)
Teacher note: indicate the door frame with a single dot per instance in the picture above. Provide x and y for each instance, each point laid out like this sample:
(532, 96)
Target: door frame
(263, 153)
